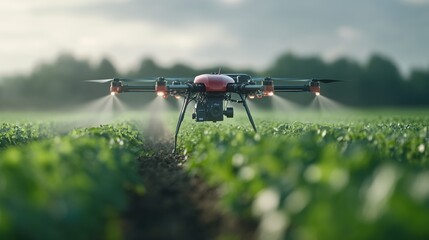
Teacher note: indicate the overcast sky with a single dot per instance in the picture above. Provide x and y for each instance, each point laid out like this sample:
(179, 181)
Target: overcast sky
(242, 33)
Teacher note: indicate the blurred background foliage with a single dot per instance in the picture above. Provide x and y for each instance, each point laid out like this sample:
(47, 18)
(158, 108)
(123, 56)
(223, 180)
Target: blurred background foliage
(59, 84)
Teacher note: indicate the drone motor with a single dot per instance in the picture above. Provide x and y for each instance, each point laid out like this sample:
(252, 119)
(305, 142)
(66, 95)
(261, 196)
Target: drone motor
(161, 87)
(115, 87)
(268, 87)
(315, 87)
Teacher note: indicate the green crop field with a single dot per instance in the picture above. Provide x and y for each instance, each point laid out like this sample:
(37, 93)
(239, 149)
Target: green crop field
(361, 175)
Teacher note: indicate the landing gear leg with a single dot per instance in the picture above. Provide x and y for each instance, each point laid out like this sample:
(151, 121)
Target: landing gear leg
(248, 112)
(186, 102)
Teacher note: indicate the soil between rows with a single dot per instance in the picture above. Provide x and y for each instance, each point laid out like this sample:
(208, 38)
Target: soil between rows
(176, 205)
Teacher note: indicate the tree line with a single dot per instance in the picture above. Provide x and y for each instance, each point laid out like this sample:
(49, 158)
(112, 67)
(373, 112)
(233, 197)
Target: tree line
(59, 84)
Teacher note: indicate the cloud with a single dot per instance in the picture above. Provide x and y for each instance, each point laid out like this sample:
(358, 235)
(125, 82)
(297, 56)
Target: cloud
(416, 2)
(232, 2)
(28, 5)
(241, 33)
(348, 33)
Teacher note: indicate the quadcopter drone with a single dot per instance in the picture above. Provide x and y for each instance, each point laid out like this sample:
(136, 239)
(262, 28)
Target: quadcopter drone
(212, 92)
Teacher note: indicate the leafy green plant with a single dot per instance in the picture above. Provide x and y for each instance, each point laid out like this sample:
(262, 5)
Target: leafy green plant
(17, 134)
(70, 187)
(355, 180)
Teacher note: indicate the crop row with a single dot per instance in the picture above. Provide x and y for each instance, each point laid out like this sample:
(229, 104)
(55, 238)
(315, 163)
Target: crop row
(69, 187)
(18, 134)
(358, 180)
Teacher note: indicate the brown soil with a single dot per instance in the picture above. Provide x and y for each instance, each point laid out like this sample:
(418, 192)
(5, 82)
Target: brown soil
(176, 205)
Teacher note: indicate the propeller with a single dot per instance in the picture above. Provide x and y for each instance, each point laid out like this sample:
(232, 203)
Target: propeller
(120, 79)
(322, 80)
(147, 80)
(100, 80)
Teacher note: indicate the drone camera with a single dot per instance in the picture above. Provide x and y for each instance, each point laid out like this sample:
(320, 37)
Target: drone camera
(210, 110)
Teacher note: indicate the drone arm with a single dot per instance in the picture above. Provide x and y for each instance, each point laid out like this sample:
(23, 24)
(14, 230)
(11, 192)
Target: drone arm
(252, 88)
(292, 88)
(179, 87)
(243, 88)
(127, 88)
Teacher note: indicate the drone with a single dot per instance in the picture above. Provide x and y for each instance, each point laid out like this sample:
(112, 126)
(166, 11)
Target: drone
(213, 92)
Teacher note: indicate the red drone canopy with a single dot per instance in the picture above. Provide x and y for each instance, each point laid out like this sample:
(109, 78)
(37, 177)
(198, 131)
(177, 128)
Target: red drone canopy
(214, 82)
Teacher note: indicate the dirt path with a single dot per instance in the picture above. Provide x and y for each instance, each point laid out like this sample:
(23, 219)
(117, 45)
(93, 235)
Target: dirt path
(175, 205)
(166, 211)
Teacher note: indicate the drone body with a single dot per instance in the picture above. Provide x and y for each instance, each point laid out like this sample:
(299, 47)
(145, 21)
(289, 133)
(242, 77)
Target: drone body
(212, 92)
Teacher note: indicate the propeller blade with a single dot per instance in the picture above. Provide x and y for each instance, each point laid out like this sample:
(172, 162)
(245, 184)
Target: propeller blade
(280, 79)
(100, 80)
(144, 80)
(322, 80)
(327, 80)
(154, 79)
(147, 80)
(289, 79)
(121, 79)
